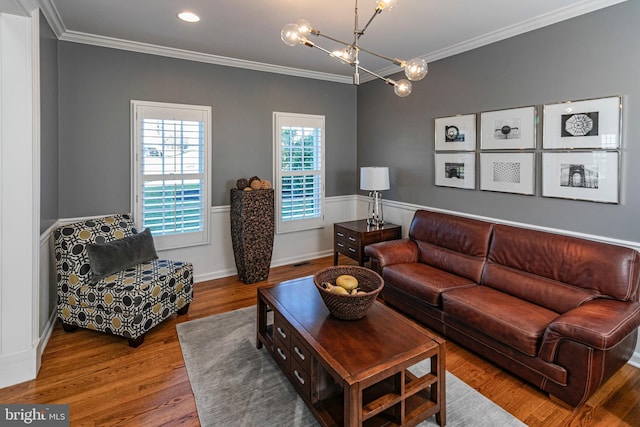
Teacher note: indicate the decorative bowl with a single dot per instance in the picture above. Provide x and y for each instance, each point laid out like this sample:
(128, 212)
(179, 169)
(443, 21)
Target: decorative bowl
(349, 307)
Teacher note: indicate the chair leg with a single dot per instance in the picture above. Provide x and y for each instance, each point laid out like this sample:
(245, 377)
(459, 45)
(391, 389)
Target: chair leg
(69, 328)
(183, 310)
(135, 342)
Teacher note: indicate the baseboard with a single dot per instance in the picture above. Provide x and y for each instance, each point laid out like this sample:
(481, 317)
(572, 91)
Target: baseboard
(274, 263)
(635, 360)
(19, 367)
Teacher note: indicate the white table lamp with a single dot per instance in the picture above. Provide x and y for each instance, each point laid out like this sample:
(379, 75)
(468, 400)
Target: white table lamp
(374, 179)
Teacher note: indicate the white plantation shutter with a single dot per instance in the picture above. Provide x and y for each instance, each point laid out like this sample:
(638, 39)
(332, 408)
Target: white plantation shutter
(299, 171)
(171, 165)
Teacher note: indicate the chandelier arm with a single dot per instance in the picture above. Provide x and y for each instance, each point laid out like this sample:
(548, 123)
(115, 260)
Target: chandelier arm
(396, 61)
(319, 34)
(360, 33)
(384, 79)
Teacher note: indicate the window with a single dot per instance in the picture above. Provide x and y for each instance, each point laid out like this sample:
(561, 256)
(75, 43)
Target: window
(171, 146)
(298, 171)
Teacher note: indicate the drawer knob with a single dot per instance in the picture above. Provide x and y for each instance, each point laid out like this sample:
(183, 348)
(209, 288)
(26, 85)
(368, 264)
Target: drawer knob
(298, 376)
(340, 234)
(299, 353)
(281, 332)
(352, 239)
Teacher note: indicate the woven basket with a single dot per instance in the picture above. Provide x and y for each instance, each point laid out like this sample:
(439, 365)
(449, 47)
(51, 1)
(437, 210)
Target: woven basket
(349, 307)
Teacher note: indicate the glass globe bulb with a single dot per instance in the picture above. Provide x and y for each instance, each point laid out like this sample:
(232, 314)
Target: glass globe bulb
(416, 69)
(290, 34)
(348, 54)
(304, 26)
(402, 88)
(387, 4)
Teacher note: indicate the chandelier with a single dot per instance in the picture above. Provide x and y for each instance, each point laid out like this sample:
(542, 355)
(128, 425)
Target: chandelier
(415, 69)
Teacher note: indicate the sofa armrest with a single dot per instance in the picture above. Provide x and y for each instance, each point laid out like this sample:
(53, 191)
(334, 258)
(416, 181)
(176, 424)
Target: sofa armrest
(600, 323)
(392, 252)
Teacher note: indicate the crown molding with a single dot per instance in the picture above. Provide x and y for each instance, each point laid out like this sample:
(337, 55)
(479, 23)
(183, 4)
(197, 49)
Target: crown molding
(53, 17)
(96, 40)
(517, 29)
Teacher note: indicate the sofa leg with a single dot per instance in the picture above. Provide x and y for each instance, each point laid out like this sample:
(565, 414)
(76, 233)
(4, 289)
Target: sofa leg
(69, 328)
(183, 310)
(135, 342)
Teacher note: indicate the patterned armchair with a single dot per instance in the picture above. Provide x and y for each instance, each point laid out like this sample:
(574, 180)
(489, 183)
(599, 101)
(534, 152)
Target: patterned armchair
(126, 303)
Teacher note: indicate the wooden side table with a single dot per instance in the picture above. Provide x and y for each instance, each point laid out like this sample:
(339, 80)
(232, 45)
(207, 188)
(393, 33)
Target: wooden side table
(350, 238)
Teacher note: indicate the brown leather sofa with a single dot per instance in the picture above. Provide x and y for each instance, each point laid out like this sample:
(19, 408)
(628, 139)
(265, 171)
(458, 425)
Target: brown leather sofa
(558, 311)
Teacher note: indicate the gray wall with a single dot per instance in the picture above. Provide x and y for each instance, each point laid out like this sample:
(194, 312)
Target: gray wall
(591, 56)
(97, 85)
(48, 126)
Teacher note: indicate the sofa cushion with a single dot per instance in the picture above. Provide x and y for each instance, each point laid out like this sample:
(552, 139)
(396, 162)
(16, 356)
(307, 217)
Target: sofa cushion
(120, 254)
(508, 319)
(604, 268)
(424, 282)
(452, 243)
(555, 296)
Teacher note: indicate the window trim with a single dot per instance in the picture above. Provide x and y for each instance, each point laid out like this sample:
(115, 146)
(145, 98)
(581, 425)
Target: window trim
(181, 111)
(296, 119)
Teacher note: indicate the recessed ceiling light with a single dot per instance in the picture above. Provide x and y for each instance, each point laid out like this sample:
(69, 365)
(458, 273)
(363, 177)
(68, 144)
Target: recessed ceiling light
(188, 17)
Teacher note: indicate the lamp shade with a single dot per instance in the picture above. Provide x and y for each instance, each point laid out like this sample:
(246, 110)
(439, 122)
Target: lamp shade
(374, 178)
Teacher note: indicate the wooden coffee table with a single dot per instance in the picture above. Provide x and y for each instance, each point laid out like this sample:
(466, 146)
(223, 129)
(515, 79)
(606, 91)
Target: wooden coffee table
(352, 372)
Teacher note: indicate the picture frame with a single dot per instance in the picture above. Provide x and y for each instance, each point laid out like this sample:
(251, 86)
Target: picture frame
(508, 172)
(456, 133)
(455, 170)
(512, 129)
(587, 124)
(593, 175)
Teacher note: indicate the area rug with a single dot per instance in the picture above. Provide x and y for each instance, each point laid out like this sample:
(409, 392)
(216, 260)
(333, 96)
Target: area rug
(235, 384)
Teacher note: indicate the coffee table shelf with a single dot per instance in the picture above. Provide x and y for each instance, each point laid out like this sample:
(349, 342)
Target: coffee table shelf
(352, 372)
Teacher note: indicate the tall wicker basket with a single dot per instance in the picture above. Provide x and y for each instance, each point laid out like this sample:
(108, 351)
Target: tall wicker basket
(252, 232)
(349, 307)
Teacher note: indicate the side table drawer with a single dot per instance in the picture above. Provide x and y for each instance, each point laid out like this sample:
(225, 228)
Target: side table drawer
(282, 355)
(353, 244)
(340, 240)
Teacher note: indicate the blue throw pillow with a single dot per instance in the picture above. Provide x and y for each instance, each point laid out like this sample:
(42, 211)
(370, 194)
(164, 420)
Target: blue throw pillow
(117, 255)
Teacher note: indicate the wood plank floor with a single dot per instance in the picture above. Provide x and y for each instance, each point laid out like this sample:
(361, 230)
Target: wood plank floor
(108, 383)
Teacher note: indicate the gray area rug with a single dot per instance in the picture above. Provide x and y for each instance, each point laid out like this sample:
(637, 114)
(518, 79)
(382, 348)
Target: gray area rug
(236, 384)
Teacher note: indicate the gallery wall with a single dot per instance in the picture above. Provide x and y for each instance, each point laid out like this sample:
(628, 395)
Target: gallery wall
(591, 56)
(97, 85)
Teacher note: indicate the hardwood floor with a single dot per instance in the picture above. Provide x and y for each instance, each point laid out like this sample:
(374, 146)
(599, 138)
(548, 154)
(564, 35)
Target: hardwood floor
(108, 383)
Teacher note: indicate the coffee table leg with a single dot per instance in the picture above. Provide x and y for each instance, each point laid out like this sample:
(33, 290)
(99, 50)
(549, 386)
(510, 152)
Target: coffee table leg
(352, 406)
(438, 393)
(262, 321)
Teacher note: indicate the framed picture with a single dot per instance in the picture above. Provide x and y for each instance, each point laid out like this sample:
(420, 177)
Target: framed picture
(592, 175)
(457, 133)
(508, 129)
(508, 172)
(594, 123)
(456, 170)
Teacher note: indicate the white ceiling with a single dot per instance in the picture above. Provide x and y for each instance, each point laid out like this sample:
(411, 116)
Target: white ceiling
(246, 33)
